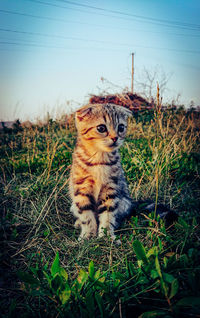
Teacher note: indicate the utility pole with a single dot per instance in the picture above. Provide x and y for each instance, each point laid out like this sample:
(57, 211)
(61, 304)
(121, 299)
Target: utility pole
(132, 78)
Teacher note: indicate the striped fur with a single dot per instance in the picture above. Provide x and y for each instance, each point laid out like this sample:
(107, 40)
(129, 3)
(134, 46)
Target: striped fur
(98, 189)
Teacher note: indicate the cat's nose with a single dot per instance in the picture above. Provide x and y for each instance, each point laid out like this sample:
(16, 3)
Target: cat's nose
(114, 139)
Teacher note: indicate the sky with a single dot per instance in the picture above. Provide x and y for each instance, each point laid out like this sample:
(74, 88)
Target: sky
(55, 53)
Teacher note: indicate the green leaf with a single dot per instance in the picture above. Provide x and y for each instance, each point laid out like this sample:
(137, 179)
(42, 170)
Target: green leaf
(65, 295)
(183, 260)
(119, 276)
(46, 266)
(182, 223)
(116, 283)
(55, 267)
(189, 302)
(194, 221)
(63, 273)
(131, 269)
(56, 283)
(47, 277)
(140, 251)
(152, 251)
(90, 305)
(100, 304)
(160, 244)
(168, 278)
(154, 274)
(157, 264)
(91, 269)
(97, 274)
(164, 287)
(165, 261)
(34, 270)
(102, 279)
(174, 288)
(28, 278)
(82, 278)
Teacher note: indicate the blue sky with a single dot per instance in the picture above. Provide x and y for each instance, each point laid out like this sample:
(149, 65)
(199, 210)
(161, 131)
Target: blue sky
(54, 51)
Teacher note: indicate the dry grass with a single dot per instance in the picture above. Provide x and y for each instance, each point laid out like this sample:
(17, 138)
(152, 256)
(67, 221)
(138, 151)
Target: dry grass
(160, 159)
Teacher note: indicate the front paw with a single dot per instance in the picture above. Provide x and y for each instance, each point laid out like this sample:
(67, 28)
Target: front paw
(102, 232)
(84, 237)
(77, 224)
(80, 239)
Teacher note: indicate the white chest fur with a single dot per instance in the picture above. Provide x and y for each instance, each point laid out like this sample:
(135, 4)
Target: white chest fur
(101, 177)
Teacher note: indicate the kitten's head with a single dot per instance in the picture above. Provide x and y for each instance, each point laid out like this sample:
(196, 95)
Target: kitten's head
(102, 126)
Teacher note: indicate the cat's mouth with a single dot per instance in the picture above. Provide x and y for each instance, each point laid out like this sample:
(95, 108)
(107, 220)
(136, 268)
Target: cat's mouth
(114, 145)
(111, 146)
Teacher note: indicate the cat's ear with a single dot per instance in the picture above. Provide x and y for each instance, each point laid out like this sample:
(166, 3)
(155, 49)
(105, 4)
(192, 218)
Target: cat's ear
(83, 113)
(127, 111)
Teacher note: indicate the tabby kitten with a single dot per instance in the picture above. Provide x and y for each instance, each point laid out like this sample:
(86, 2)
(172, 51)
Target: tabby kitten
(98, 189)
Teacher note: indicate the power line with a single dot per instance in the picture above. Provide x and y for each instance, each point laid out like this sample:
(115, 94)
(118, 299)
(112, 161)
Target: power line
(63, 37)
(176, 24)
(130, 14)
(29, 44)
(68, 8)
(89, 24)
(32, 44)
(59, 36)
(106, 49)
(32, 16)
(9, 49)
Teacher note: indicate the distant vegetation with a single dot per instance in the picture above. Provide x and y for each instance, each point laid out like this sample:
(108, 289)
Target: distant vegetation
(46, 272)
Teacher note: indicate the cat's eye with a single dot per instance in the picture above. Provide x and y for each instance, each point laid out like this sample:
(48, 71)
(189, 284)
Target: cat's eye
(102, 128)
(121, 128)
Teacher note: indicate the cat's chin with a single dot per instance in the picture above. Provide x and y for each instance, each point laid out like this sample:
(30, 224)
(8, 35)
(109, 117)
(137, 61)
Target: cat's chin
(109, 148)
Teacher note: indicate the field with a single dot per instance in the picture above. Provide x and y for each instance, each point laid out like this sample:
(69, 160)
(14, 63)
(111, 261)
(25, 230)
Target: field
(155, 272)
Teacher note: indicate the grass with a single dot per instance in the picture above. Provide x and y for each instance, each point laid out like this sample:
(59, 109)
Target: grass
(46, 272)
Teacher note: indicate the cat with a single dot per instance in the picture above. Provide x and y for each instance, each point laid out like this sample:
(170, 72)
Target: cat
(97, 185)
